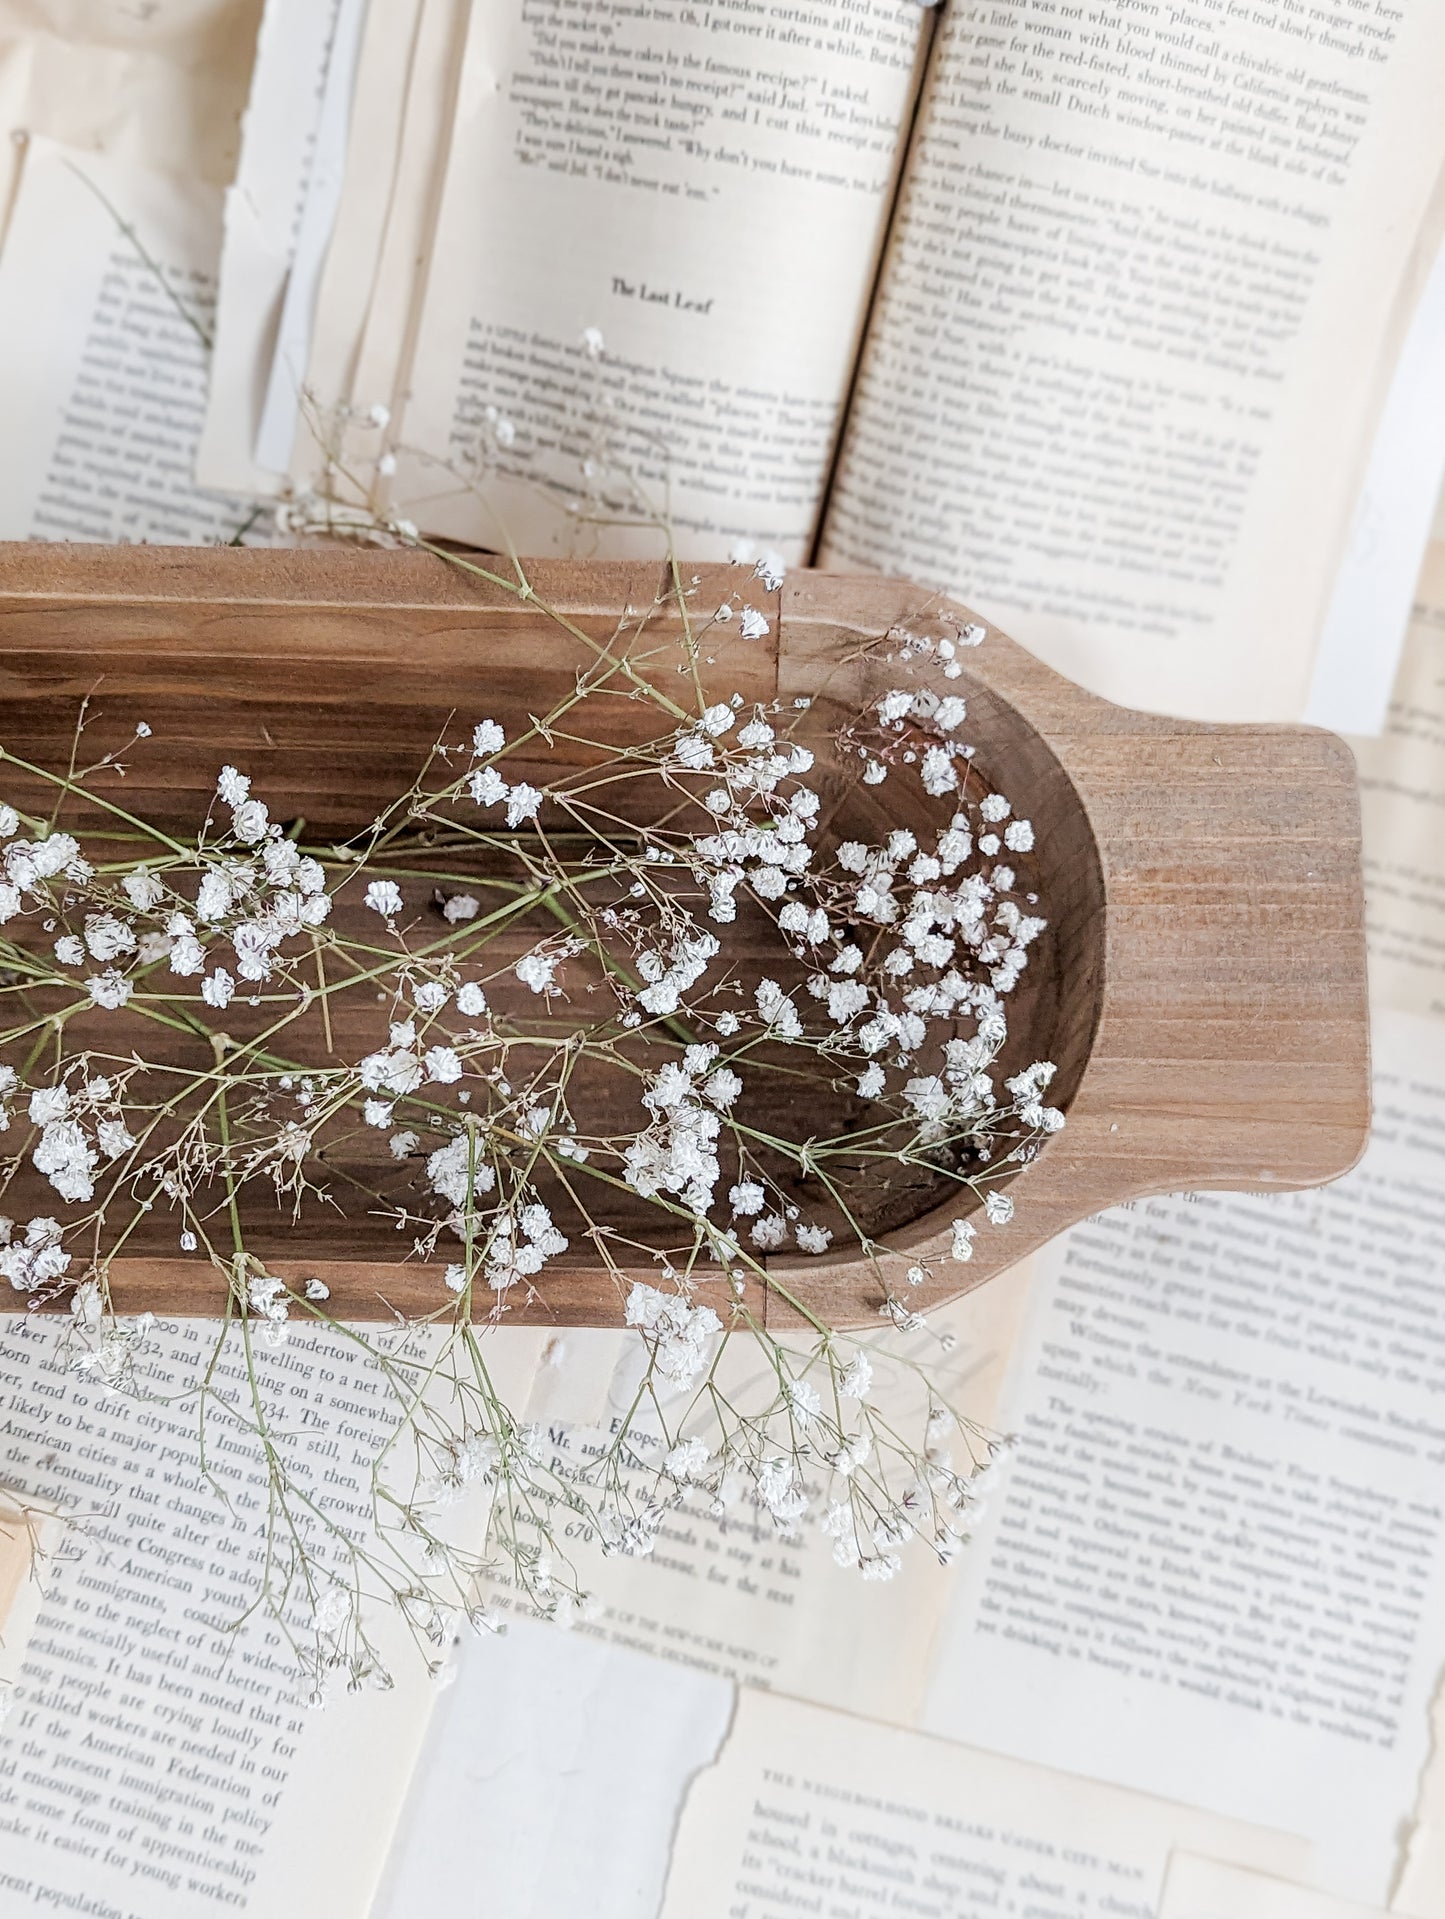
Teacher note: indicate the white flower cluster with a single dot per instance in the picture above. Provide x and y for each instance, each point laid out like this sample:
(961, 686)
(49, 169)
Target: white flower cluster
(80, 1130)
(678, 1333)
(676, 1152)
(36, 1261)
(678, 1005)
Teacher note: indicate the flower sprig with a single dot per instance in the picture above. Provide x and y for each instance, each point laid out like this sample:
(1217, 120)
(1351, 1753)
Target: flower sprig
(659, 1006)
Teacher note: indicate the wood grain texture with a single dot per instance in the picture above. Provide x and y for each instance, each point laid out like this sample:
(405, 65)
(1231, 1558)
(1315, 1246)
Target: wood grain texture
(1206, 992)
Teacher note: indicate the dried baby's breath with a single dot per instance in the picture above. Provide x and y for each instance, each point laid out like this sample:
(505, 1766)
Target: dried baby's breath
(507, 942)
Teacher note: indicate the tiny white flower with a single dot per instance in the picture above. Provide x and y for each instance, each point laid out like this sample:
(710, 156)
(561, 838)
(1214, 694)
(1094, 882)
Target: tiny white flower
(803, 1401)
(752, 625)
(143, 890)
(487, 787)
(443, 1065)
(384, 897)
(67, 1160)
(522, 804)
(219, 988)
(471, 1000)
(938, 773)
(233, 787)
(214, 897)
(487, 737)
(535, 970)
(332, 1611)
(688, 1461)
(722, 1087)
(107, 936)
(48, 1103)
(857, 1377)
(251, 820)
(114, 1138)
(187, 956)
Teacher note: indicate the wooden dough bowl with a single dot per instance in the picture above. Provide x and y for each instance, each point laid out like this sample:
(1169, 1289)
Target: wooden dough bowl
(1201, 985)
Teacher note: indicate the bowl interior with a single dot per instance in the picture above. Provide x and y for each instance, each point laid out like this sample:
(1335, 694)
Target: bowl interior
(331, 711)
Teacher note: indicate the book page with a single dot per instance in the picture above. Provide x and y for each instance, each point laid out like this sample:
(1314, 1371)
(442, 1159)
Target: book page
(101, 432)
(156, 85)
(1211, 1889)
(704, 189)
(1137, 317)
(151, 1761)
(1419, 1885)
(811, 1810)
(1217, 1567)
(730, 1595)
(376, 265)
(263, 210)
(1402, 806)
(322, 192)
(31, 1532)
(562, 1764)
(1364, 629)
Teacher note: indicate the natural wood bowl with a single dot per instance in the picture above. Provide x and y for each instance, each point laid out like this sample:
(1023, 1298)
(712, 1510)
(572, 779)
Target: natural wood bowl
(1201, 986)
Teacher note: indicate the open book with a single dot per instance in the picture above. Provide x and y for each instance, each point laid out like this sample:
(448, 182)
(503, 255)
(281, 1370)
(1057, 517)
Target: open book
(1085, 313)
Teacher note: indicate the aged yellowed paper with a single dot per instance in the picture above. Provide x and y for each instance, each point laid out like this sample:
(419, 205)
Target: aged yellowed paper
(1198, 1888)
(157, 85)
(653, 259)
(209, 1774)
(1402, 804)
(112, 331)
(263, 212)
(727, 1593)
(1216, 1568)
(1136, 320)
(810, 1810)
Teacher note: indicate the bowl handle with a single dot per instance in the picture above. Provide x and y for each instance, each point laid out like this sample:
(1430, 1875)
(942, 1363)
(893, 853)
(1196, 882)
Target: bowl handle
(1232, 1044)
